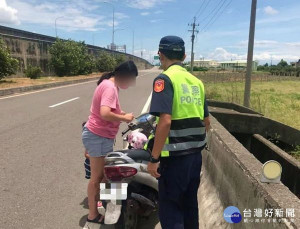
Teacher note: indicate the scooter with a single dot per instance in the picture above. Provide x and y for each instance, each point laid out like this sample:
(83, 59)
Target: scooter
(132, 191)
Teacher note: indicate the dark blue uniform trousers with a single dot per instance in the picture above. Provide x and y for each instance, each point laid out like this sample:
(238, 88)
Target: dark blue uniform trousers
(178, 186)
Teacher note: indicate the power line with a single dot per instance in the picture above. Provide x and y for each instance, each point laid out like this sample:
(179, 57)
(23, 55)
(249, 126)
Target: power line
(203, 9)
(220, 13)
(198, 11)
(212, 11)
(215, 15)
(213, 20)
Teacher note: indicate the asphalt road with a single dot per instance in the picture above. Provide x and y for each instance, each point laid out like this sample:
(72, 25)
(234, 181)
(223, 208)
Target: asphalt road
(41, 166)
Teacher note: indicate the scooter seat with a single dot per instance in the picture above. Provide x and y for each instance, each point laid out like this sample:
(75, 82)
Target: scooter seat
(137, 154)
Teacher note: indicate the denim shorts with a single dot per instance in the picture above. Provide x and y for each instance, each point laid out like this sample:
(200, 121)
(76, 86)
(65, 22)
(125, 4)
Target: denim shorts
(96, 145)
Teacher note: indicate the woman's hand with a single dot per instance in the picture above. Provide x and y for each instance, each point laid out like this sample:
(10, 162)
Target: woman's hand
(123, 112)
(128, 117)
(108, 115)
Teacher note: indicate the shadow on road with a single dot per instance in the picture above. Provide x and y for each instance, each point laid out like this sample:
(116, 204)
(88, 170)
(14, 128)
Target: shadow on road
(84, 203)
(151, 222)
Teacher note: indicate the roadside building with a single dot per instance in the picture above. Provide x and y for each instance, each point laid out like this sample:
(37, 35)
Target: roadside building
(236, 65)
(206, 63)
(296, 64)
(118, 48)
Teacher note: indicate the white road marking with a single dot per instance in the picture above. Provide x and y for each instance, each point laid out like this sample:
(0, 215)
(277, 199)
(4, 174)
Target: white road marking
(48, 89)
(147, 104)
(55, 105)
(33, 92)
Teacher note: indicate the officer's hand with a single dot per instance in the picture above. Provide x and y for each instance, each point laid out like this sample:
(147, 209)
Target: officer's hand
(86, 155)
(207, 123)
(152, 169)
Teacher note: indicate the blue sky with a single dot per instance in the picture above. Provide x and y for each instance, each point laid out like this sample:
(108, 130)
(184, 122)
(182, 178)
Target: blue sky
(222, 37)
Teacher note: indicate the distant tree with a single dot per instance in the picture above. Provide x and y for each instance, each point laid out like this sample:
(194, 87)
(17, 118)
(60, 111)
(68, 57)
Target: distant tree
(8, 64)
(105, 62)
(297, 71)
(120, 58)
(33, 72)
(282, 63)
(266, 65)
(71, 58)
(261, 68)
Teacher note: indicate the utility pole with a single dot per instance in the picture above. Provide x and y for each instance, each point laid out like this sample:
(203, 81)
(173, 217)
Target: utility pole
(271, 60)
(133, 42)
(250, 54)
(193, 38)
(113, 30)
(55, 24)
(113, 35)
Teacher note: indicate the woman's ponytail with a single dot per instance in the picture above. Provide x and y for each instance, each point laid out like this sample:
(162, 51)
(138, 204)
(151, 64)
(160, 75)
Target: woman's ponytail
(124, 70)
(105, 76)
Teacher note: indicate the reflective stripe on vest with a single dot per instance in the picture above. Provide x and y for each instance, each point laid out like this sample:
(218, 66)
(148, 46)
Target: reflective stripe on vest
(187, 128)
(187, 132)
(184, 145)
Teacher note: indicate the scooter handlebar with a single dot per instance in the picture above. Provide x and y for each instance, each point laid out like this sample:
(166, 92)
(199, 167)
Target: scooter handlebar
(131, 126)
(125, 131)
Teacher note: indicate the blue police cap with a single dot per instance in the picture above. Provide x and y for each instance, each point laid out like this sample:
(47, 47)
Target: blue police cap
(172, 43)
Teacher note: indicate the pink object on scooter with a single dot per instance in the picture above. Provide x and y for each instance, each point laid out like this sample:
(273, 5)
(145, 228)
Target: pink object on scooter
(137, 139)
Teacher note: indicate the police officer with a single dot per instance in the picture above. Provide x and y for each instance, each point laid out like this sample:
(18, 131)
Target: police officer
(178, 101)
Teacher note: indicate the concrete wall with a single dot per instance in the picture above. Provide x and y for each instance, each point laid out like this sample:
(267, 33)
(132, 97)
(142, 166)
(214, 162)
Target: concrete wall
(231, 106)
(244, 123)
(265, 150)
(234, 174)
(33, 49)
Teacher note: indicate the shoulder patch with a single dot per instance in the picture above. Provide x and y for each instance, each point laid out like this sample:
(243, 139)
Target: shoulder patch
(159, 85)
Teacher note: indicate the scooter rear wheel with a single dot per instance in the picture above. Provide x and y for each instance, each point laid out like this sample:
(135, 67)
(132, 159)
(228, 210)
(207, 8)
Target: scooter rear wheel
(128, 219)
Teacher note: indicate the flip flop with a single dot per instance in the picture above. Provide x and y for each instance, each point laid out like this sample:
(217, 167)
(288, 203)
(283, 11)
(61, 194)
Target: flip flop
(96, 220)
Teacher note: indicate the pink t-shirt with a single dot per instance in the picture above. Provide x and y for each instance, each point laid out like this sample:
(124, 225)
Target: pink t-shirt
(106, 94)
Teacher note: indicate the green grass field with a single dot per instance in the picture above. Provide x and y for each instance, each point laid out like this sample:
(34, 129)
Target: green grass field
(277, 98)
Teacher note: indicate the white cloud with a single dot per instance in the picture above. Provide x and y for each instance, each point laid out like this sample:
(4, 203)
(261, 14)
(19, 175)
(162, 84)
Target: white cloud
(222, 54)
(290, 13)
(145, 4)
(145, 13)
(267, 56)
(121, 16)
(293, 44)
(77, 15)
(272, 45)
(258, 43)
(8, 14)
(287, 51)
(270, 10)
(155, 20)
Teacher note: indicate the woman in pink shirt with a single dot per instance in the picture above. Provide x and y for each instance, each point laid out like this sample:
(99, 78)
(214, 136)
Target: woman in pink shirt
(102, 127)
